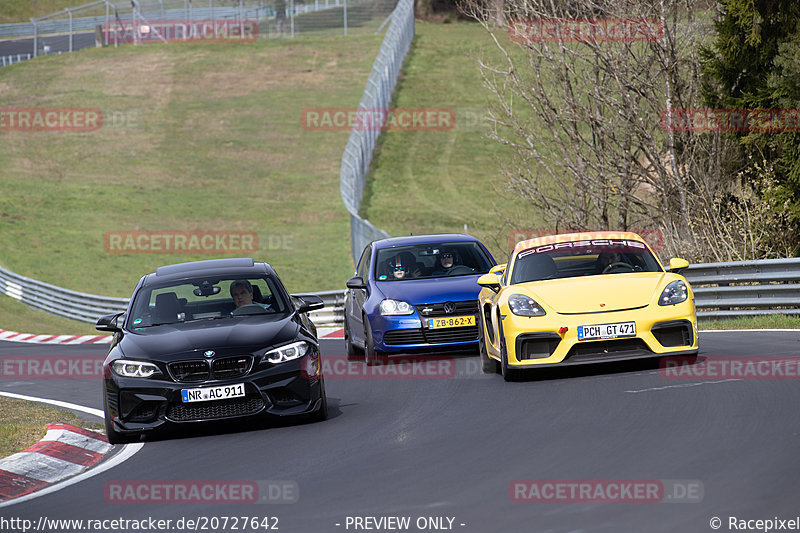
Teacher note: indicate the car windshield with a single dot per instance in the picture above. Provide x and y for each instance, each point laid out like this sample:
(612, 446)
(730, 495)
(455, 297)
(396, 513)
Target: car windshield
(205, 299)
(424, 261)
(583, 258)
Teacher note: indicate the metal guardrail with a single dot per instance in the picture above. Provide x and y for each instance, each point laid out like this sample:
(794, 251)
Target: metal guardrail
(746, 288)
(377, 95)
(13, 58)
(89, 307)
(743, 288)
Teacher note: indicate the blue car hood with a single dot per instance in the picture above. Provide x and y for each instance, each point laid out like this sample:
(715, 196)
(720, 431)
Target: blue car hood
(435, 290)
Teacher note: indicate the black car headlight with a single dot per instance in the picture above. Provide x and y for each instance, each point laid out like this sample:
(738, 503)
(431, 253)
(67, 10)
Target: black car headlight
(522, 305)
(128, 368)
(288, 352)
(674, 293)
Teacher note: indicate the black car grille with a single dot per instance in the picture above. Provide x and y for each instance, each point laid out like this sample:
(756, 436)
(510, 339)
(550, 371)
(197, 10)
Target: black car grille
(181, 412)
(675, 333)
(468, 307)
(231, 367)
(597, 350)
(537, 346)
(190, 371)
(199, 370)
(430, 336)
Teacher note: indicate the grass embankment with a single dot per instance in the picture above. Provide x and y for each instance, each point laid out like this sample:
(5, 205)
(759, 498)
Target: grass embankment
(24, 423)
(202, 137)
(22, 10)
(440, 181)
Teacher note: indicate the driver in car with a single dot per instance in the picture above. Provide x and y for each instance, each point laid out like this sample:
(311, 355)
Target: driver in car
(446, 263)
(606, 259)
(242, 292)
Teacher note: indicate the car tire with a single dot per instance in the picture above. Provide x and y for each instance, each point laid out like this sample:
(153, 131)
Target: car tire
(112, 435)
(488, 365)
(321, 414)
(353, 353)
(508, 373)
(372, 356)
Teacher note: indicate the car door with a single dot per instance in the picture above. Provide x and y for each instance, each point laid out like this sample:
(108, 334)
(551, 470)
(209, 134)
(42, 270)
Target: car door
(357, 297)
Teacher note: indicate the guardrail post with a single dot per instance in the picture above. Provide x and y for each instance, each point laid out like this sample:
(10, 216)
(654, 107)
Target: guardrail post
(35, 37)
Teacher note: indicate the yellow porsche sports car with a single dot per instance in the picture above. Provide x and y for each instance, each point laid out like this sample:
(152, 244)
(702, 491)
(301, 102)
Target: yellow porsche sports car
(583, 298)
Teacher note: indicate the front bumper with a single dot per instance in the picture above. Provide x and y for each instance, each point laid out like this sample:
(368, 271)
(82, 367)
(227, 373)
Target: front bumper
(139, 405)
(408, 334)
(535, 342)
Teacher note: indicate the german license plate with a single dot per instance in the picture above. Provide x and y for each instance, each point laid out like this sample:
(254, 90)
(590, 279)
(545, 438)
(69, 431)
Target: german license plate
(607, 331)
(451, 322)
(212, 393)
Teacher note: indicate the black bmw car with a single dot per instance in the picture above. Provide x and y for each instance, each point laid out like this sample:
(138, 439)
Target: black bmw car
(210, 340)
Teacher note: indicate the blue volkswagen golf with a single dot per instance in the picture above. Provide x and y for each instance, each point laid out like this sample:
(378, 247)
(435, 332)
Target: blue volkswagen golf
(415, 294)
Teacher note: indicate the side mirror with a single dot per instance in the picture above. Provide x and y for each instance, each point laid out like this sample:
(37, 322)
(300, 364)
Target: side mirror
(356, 283)
(109, 322)
(490, 281)
(676, 264)
(498, 269)
(309, 302)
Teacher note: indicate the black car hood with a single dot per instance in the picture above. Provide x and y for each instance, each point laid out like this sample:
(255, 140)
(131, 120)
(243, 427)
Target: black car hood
(224, 336)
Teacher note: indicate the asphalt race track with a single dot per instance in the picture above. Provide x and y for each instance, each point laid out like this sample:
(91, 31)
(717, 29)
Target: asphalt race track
(451, 447)
(57, 44)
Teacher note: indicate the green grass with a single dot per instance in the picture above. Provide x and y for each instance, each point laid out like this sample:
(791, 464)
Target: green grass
(22, 10)
(197, 137)
(440, 181)
(24, 423)
(757, 322)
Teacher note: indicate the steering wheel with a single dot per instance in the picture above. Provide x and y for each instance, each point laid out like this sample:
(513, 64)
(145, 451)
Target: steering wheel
(617, 264)
(248, 309)
(460, 269)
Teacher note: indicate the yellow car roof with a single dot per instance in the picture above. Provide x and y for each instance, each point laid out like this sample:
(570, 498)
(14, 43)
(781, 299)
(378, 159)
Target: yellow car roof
(580, 236)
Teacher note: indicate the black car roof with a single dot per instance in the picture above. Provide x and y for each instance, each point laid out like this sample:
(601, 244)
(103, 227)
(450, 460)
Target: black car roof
(218, 267)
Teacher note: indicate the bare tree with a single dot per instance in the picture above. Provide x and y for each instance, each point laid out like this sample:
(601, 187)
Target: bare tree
(585, 94)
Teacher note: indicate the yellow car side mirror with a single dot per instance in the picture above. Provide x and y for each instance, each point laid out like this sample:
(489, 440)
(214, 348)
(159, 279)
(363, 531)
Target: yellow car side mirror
(676, 264)
(490, 281)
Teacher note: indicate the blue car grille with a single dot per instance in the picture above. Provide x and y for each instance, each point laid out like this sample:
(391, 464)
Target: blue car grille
(420, 336)
(468, 307)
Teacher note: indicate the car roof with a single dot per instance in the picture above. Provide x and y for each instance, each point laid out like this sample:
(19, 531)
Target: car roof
(580, 236)
(217, 267)
(423, 239)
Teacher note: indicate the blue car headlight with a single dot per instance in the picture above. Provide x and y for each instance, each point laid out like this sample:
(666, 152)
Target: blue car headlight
(674, 293)
(522, 305)
(391, 307)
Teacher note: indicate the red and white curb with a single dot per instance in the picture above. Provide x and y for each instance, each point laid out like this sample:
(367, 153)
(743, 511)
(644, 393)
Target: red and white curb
(13, 336)
(63, 452)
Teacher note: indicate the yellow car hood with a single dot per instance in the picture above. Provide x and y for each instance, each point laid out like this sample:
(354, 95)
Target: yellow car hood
(592, 294)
